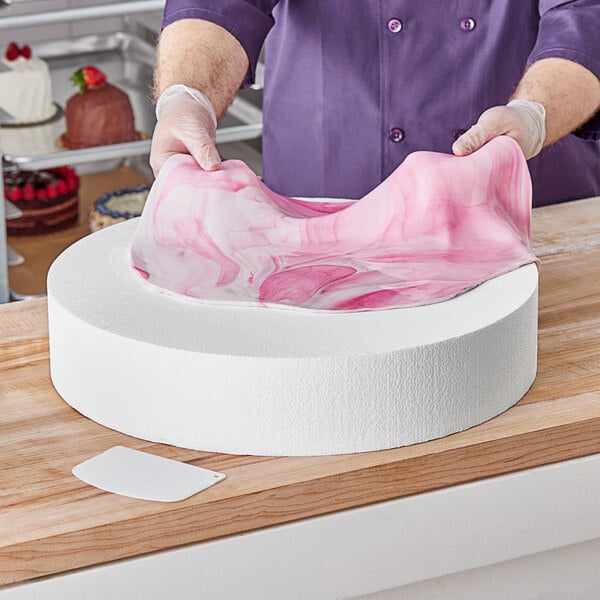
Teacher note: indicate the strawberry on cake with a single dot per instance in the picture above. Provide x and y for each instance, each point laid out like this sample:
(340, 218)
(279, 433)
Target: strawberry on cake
(99, 114)
(25, 86)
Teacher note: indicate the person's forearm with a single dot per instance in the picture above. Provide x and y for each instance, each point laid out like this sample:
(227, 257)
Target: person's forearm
(203, 56)
(568, 91)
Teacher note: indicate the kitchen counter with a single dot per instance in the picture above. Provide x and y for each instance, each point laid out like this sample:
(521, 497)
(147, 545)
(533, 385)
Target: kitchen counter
(51, 523)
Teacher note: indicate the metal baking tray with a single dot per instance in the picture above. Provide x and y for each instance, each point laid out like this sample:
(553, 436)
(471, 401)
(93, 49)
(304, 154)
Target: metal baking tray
(11, 22)
(128, 62)
(11, 211)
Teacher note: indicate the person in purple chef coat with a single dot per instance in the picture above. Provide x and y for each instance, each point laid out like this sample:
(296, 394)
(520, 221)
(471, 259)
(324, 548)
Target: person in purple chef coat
(351, 88)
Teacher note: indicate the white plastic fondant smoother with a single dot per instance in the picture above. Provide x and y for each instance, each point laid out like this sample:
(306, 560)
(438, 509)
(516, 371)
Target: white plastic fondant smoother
(137, 474)
(270, 381)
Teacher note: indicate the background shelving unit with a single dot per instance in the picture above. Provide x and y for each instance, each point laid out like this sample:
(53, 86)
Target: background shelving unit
(128, 59)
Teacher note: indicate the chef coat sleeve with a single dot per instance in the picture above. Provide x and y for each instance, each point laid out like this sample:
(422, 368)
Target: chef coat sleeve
(248, 21)
(571, 30)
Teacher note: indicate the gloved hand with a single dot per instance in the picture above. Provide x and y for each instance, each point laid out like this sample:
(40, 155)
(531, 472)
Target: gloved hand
(186, 124)
(522, 120)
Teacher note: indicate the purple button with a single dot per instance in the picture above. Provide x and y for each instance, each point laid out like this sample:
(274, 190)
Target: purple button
(396, 134)
(458, 133)
(395, 25)
(467, 24)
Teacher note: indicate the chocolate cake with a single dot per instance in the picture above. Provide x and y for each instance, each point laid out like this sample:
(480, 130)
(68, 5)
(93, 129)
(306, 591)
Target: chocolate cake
(99, 114)
(47, 199)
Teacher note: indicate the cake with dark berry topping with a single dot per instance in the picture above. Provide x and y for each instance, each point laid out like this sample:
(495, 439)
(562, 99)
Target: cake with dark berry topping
(25, 86)
(99, 114)
(48, 200)
(118, 206)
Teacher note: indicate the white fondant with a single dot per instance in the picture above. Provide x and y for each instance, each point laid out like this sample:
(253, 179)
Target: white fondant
(26, 90)
(271, 381)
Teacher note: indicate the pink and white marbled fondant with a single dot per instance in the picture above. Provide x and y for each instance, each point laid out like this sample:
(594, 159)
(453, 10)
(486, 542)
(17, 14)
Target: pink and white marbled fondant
(437, 226)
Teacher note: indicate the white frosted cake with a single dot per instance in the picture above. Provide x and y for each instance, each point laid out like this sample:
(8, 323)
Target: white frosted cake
(25, 86)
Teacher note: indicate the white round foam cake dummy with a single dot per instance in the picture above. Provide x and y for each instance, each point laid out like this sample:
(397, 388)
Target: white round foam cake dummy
(269, 381)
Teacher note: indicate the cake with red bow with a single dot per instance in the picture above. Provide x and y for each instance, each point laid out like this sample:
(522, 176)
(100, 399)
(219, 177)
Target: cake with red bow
(99, 114)
(25, 86)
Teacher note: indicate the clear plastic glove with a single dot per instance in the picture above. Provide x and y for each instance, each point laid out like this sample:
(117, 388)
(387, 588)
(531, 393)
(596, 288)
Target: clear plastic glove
(522, 120)
(186, 124)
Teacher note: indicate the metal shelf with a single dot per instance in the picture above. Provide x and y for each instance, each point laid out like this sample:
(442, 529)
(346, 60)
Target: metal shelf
(129, 63)
(71, 15)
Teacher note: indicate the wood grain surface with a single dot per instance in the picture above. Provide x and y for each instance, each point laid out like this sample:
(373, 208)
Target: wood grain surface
(50, 522)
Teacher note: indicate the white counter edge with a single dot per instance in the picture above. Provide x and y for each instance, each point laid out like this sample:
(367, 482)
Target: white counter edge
(366, 550)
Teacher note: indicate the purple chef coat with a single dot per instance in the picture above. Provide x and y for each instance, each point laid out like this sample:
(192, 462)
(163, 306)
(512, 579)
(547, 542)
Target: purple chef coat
(351, 88)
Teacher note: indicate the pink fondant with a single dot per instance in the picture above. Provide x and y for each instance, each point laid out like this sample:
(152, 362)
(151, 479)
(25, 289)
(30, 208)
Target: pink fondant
(438, 226)
(142, 273)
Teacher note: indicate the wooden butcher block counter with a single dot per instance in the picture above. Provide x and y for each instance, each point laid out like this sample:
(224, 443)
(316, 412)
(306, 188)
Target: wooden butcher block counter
(50, 522)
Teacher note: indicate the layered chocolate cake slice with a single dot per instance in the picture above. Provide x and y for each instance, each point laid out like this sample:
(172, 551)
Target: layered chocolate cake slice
(48, 199)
